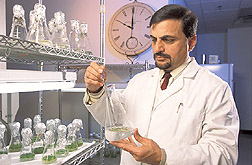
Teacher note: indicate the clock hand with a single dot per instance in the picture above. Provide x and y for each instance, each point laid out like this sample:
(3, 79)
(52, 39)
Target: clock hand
(124, 24)
(132, 20)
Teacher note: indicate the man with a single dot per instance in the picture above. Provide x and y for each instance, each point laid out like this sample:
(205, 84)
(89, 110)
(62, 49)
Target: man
(192, 121)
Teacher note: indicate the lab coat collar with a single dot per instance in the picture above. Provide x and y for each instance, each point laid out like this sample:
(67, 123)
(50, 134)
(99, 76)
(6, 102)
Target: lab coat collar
(189, 72)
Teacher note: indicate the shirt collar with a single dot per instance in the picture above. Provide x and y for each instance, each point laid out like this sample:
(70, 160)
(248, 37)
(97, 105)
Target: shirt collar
(176, 72)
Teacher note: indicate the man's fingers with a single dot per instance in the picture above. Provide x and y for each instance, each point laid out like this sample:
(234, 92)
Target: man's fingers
(138, 137)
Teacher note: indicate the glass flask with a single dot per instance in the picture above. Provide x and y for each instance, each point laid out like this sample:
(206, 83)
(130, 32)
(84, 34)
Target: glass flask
(59, 33)
(61, 150)
(49, 156)
(38, 145)
(15, 143)
(36, 120)
(77, 123)
(71, 139)
(18, 27)
(26, 153)
(4, 157)
(3, 149)
(117, 124)
(74, 36)
(84, 40)
(39, 32)
(57, 124)
(50, 126)
(28, 123)
(51, 26)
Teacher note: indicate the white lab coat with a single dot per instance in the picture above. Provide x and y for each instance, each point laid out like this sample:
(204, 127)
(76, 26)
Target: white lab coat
(196, 122)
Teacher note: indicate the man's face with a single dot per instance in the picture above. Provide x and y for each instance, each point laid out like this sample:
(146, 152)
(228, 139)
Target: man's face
(169, 44)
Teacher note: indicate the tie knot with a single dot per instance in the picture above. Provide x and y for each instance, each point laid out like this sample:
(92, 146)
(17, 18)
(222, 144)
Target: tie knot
(167, 75)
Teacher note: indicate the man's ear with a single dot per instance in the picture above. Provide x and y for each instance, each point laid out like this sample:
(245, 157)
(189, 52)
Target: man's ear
(192, 42)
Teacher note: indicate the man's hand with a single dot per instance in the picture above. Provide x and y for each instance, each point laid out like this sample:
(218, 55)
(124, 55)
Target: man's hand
(93, 78)
(149, 152)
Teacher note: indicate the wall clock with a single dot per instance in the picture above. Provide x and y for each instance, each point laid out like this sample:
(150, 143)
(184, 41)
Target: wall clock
(128, 29)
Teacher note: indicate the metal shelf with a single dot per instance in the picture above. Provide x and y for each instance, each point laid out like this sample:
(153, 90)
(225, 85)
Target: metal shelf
(85, 154)
(22, 51)
(117, 66)
(90, 147)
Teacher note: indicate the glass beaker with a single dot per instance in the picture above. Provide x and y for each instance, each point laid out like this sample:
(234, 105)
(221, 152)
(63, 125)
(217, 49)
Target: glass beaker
(39, 32)
(26, 153)
(74, 36)
(49, 152)
(117, 124)
(15, 143)
(38, 144)
(71, 139)
(59, 33)
(77, 123)
(61, 150)
(84, 40)
(18, 27)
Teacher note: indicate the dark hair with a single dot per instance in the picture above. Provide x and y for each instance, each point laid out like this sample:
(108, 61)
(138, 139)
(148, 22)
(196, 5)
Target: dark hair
(189, 20)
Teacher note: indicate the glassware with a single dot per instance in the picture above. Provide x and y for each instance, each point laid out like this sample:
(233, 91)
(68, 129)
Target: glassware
(84, 40)
(4, 157)
(38, 145)
(51, 26)
(26, 153)
(59, 33)
(49, 156)
(50, 126)
(71, 139)
(74, 36)
(15, 143)
(28, 123)
(77, 123)
(36, 120)
(57, 124)
(18, 27)
(39, 32)
(61, 150)
(3, 149)
(117, 124)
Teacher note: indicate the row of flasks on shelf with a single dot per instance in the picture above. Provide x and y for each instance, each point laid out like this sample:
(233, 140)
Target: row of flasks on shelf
(53, 139)
(52, 34)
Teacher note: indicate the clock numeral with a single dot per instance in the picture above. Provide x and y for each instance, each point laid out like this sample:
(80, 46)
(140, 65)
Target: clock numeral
(124, 13)
(147, 36)
(115, 30)
(141, 12)
(117, 38)
(147, 18)
(122, 44)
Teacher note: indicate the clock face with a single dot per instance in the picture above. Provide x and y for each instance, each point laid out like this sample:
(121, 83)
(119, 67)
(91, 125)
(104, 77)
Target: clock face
(129, 31)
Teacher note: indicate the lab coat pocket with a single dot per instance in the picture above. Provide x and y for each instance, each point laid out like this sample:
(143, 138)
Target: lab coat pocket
(189, 123)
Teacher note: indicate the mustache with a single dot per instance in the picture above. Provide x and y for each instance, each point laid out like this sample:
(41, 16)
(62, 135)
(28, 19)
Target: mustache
(162, 55)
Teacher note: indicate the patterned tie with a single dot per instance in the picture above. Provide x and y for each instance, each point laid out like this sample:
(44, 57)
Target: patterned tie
(166, 77)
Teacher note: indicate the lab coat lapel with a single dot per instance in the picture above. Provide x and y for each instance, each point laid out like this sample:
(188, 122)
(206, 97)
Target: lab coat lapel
(173, 89)
(178, 84)
(154, 84)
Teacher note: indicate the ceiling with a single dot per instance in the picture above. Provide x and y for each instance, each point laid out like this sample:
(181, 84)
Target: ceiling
(216, 16)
